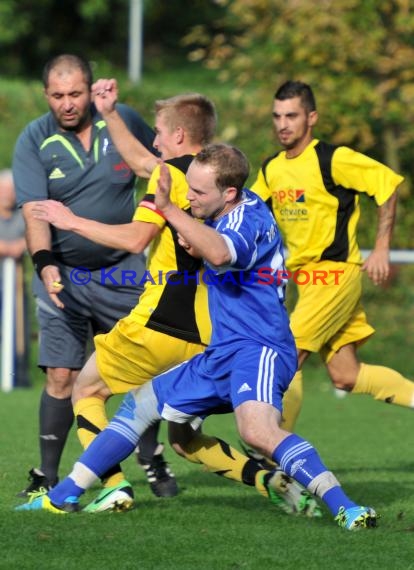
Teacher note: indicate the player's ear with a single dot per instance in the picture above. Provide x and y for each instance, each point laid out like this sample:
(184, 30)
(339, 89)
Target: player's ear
(179, 134)
(313, 118)
(230, 194)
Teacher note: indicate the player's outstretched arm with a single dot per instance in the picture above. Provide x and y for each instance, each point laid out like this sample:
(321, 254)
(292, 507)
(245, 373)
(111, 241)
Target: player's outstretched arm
(133, 237)
(141, 160)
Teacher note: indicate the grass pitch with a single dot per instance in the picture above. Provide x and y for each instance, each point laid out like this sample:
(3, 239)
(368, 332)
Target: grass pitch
(215, 523)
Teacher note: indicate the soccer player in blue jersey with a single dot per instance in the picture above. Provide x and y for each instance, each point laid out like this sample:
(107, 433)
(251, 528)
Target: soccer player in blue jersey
(252, 355)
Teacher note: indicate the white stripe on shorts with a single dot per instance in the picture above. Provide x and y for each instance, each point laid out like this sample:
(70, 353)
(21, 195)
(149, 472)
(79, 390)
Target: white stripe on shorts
(266, 375)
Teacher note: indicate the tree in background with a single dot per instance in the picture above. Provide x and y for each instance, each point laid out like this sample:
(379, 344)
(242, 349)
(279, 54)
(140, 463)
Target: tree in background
(167, 22)
(32, 32)
(358, 56)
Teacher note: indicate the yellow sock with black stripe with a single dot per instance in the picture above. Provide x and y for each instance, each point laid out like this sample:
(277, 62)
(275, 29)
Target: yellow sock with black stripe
(292, 402)
(261, 478)
(384, 384)
(219, 457)
(90, 414)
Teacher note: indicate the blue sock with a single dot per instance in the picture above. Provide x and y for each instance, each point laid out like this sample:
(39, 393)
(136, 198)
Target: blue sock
(106, 450)
(300, 460)
(336, 498)
(63, 490)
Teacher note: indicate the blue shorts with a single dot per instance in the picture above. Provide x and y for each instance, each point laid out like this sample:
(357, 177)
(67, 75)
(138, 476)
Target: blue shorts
(89, 308)
(221, 379)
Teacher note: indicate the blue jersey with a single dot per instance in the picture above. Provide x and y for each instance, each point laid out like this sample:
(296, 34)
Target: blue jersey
(246, 298)
(252, 354)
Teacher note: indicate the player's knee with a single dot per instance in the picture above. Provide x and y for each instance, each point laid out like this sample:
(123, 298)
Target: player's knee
(342, 379)
(59, 382)
(87, 389)
(59, 376)
(180, 437)
(177, 440)
(178, 449)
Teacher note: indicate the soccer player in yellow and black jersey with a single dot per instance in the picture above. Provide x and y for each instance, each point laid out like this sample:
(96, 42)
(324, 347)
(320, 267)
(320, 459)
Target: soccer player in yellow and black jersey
(170, 323)
(313, 189)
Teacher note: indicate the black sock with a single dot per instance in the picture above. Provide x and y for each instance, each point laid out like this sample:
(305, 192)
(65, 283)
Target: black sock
(148, 443)
(250, 471)
(55, 421)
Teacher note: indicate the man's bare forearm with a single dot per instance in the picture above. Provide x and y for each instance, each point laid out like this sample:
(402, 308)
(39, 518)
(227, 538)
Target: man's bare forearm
(206, 241)
(37, 232)
(386, 221)
(140, 159)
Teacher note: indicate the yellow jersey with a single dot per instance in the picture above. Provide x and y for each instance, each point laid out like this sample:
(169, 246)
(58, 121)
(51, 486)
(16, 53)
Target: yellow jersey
(315, 199)
(174, 300)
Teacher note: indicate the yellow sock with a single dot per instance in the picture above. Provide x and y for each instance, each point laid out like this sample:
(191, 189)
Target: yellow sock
(219, 457)
(216, 455)
(91, 418)
(258, 483)
(384, 384)
(292, 402)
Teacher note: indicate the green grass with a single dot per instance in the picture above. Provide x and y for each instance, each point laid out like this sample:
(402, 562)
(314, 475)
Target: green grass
(218, 524)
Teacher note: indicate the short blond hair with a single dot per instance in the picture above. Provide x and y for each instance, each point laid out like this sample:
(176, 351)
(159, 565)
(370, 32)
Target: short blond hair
(193, 112)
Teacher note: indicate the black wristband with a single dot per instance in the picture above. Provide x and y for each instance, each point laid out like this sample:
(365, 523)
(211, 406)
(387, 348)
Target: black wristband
(42, 258)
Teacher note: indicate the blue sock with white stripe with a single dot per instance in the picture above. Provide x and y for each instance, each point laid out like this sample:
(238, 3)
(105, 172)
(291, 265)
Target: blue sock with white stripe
(300, 460)
(105, 451)
(116, 442)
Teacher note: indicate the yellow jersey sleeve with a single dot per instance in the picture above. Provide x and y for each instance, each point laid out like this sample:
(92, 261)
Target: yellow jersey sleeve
(352, 169)
(147, 211)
